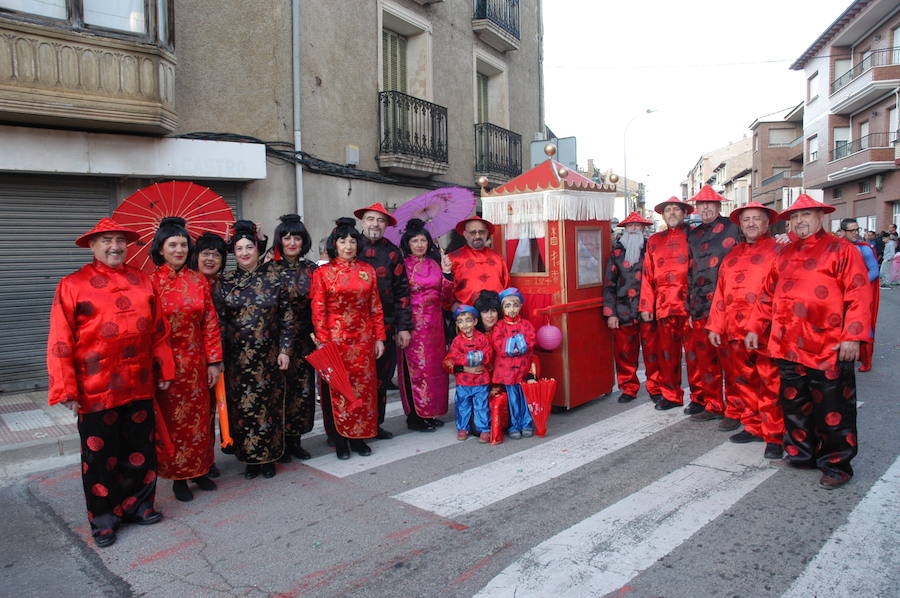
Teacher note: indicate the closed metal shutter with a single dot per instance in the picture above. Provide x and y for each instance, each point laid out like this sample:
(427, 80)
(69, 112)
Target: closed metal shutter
(40, 218)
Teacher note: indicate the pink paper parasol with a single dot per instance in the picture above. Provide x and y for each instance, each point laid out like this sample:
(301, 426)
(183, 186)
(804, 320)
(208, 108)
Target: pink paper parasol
(440, 210)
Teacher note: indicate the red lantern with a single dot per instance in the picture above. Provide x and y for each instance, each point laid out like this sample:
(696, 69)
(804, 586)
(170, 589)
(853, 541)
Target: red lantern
(549, 337)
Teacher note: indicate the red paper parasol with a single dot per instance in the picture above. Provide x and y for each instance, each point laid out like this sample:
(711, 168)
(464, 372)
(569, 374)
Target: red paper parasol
(328, 363)
(440, 210)
(202, 208)
(539, 396)
(498, 403)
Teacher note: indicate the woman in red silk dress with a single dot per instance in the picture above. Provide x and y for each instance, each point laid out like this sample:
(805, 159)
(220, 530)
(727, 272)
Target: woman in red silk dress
(346, 311)
(187, 304)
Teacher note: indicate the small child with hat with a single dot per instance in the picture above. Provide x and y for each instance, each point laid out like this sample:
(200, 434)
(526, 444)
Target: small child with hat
(469, 359)
(513, 339)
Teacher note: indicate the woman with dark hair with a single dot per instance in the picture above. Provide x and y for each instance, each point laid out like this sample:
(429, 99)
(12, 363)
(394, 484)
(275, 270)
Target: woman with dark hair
(292, 242)
(424, 385)
(488, 306)
(346, 311)
(186, 301)
(258, 331)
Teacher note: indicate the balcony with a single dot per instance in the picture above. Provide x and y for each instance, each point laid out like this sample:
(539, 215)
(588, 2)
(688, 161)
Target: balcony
(862, 157)
(413, 138)
(57, 77)
(789, 177)
(869, 79)
(498, 153)
(496, 23)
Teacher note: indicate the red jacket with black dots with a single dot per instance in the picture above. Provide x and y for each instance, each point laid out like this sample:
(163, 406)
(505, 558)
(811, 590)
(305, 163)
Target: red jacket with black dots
(622, 285)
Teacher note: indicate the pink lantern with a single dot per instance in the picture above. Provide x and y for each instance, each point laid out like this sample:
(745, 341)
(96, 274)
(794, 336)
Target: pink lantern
(549, 337)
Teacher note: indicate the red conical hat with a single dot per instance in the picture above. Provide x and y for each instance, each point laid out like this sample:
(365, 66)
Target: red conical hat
(107, 225)
(688, 208)
(707, 194)
(635, 218)
(376, 207)
(804, 202)
(461, 225)
(735, 215)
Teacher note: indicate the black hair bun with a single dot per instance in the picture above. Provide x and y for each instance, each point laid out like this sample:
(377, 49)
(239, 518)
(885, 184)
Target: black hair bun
(345, 221)
(291, 218)
(244, 227)
(415, 225)
(173, 220)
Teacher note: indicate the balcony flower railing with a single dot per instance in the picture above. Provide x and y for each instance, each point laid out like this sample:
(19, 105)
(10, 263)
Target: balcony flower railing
(872, 140)
(882, 57)
(497, 150)
(412, 127)
(503, 13)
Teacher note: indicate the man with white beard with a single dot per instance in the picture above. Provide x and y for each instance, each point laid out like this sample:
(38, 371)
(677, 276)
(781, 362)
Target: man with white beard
(621, 292)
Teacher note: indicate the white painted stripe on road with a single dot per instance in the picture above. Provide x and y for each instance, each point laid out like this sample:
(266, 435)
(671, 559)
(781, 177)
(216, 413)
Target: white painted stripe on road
(861, 557)
(603, 552)
(386, 452)
(484, 485)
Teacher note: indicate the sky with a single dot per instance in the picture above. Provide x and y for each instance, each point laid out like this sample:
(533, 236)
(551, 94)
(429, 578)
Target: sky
(709, 68)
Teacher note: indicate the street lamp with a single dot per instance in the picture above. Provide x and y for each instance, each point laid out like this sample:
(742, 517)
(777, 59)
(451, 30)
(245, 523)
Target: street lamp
(625, 154)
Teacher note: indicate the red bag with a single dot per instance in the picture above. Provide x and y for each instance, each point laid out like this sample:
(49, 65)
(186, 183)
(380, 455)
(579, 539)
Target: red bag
(499, 406)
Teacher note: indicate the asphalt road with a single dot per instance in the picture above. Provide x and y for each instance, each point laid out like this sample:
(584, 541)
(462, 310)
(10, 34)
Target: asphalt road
(617, 500)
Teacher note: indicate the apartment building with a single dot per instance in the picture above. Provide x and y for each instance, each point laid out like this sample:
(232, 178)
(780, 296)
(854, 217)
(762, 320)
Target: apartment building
(777, 165)
(379, 100)
(850, 119)
(727, 169)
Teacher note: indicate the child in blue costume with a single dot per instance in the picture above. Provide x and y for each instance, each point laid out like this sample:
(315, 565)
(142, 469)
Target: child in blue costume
(469, 359)
(513, 339)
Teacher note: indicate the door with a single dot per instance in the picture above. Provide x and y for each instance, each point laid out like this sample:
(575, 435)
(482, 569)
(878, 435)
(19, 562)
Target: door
(395, 110)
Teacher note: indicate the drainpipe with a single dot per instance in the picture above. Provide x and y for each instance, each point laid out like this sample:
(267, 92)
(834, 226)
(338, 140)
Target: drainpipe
(295, 77)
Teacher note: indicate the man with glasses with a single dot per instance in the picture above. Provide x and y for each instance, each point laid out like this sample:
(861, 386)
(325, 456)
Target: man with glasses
(476, 267)
(850, 231)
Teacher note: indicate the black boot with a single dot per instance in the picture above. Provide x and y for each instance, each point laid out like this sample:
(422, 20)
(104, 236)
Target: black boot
(181, 491)
(341, 448)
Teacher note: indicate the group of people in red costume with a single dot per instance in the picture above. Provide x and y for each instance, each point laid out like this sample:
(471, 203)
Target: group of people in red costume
(769, 325)
(137, 355)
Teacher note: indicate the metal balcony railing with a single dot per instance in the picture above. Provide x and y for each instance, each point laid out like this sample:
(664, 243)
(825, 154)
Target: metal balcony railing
(872, 140)
(793, 143)
(497, 150)
(876, 58)
(412, 127)
(780, 175)
(503, 13)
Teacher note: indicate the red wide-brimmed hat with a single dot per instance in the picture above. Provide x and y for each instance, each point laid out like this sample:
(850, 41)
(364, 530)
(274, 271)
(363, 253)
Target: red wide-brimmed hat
(707, 193)
(804, 202)
(688, 208)
(735, 215)
(461, 225)
(376, 207)
(635, 218)
(107, 225)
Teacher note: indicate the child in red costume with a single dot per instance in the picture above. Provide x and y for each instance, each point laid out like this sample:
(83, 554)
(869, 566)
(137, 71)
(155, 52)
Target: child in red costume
(513, 339)
(469, 357)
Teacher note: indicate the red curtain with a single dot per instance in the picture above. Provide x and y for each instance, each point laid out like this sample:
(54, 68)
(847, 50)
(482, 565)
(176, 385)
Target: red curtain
(511, 246)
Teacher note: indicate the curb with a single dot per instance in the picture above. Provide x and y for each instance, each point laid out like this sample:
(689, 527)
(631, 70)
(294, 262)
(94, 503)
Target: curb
(43, 448)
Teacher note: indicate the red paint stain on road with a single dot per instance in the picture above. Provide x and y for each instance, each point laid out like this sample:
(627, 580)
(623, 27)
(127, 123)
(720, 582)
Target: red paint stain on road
(479, 564)
(327, 576)
(165, 553)
(620, 592)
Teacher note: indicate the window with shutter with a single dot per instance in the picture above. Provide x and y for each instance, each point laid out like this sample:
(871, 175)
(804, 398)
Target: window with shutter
(482, 91)
(394, 61)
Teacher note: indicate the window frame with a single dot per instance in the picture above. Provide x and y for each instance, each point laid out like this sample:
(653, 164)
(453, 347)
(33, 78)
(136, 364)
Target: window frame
(812, 91)
(811, 155)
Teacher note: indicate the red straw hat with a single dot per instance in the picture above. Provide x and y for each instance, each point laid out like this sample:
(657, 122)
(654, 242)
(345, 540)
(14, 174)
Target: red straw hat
(735, 215)
(707, 194)
(804, 202)
(376, 207)
(107, 225)
(461, 225)
(635, 218)
(688, 208)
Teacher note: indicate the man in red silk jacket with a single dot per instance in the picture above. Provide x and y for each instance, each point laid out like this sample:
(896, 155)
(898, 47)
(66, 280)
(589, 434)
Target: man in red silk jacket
(664, 288)
(477, 267)
(815, 300)
(621, 290)
(708, 243)
(107, 354)
(751, 377)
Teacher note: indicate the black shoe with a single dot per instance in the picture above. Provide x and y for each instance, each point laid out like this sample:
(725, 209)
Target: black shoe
(285, 457)
(665, 404)
(434, 422)
(743, 437)
(149, 517)
(728, 424)
(268, 470)
(105, 539)
(300, 452)
(228, 450)
(656, 398)
(342, 448)
(360, 448)
(420, 425)
(773, 451)
(251, 471)
(836, 480)
(626, 398)
(181, 491)
(213, 472)
(383, 434)
(694, 407)
(705, 416)
(204, 483)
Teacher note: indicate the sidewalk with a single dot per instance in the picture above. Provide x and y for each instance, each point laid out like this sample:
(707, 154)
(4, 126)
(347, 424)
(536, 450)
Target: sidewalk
(31, 429)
